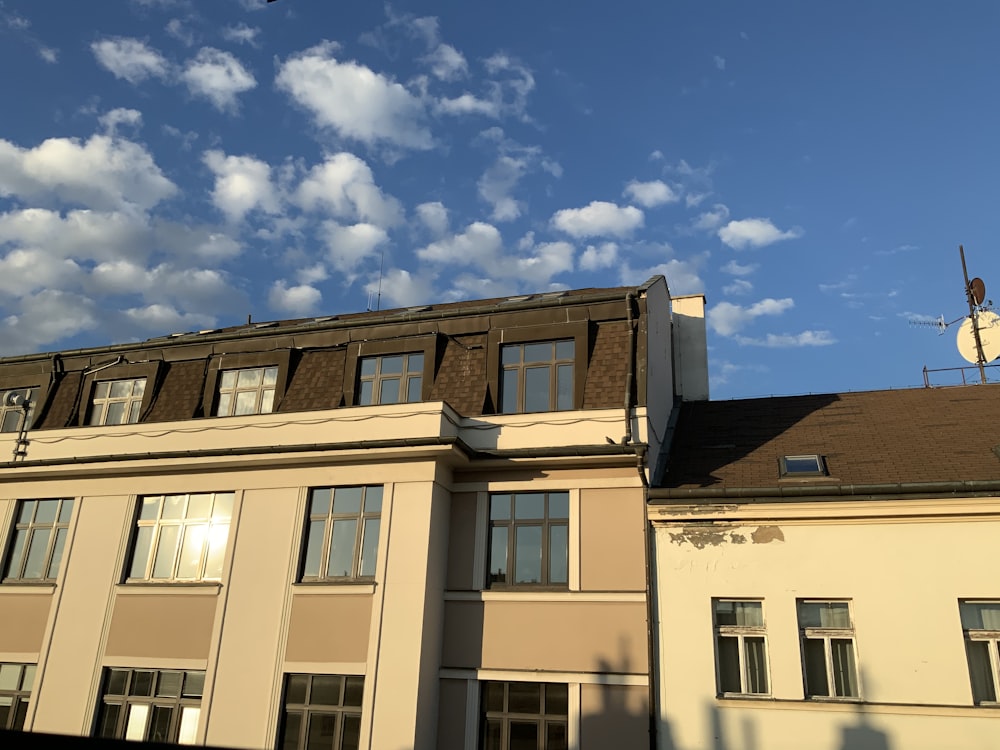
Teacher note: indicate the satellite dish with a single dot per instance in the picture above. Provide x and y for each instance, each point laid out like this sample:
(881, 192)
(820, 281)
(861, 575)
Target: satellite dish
(15, 398)
(978, 289)
(989, 335)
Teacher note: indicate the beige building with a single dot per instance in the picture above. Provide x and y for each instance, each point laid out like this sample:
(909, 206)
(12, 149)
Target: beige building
(417, 528)
(826, 573)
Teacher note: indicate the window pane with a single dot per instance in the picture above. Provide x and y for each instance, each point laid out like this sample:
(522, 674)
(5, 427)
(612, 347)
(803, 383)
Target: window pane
(739, 613)
(564, 349)
(538, 352)
(500, 507)
(192, 547)
(27, 511)
(135, 727)
(65, 511)
(46, 512)
(314, 548)
(101, 390)
(173, 506)
(815, 658)
(29, 678)
(341, 561)
(297, 684)
(194, 684)
(57, 551)
(134, 408)
(729, 664)
(138, 387)
(528, 554)
(169, 684)
(163, 565)
(536, 388)
(96, 415)
(369, 548)
(222, 509)
(392, 365)
(365, 397)
(524, 697)
(980, 615)
(389, 391)
(564, 387)
(824, 615)
(523, 735)
(225, 406)
(140, 555)
(121, 389)
(980, 671)
(217, 539)
(17, 553)
(319, 501)
(322, 732)
(508, 392)
(270, 376)
(142, 683)
(845, 676)
(414, 390)
(188, 732)
(150, 508)
(510, 355)
(267, 401)
(326, 690)
(107, 723)
(116, 413)
(38, 547)
(556, 700)
(11, 420)
(494, 696)
(249, 378)
(159, 725)
(415, 364)
(555, 736)
(756, 664)
(290, 728)
(498, 555)
(10, 676)
(6, 707)
(558, 554)
(117, 680)
(529, 505)
(199, 506)
(228, 380)
(354, 690)
(373, 499)
(351, 737)
(347, 499)
(492, 739)
(368, 367)
(246, 403)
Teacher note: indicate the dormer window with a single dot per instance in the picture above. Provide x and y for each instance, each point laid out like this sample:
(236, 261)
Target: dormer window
(806, 465)
(12, 410)
(117, 401)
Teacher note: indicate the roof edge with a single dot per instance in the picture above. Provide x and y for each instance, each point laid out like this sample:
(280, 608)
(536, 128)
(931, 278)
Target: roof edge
(897, 490)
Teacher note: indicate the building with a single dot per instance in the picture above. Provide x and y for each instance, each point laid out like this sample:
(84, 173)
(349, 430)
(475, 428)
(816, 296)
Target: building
(419, 528)
(825, 573)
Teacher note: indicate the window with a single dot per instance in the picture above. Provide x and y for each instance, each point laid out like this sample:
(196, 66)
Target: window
(150, 705)
(741, 647)
(342, 529)
(981, 624)
(249, 391)
(524, 715)
(11, 416)
(803, 466)
(181, 537)
(828, 649)
(529, 535)
(322, 712)
(537, 377)
(391, 379)
(15, 689)
(117, 401)
(39, 538)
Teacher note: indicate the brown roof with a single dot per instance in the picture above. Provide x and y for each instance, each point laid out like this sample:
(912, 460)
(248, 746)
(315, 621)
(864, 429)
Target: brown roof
(870, 438)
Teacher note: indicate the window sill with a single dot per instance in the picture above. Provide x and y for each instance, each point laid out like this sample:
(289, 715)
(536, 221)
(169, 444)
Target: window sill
(853, 705)
(17, 586)
(149, 588)
(547, 595)
(325, 588)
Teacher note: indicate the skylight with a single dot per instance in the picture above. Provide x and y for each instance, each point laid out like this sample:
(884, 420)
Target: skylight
(808, 465)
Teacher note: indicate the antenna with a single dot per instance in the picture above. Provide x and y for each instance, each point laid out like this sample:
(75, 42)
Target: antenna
(970, 296)
(381, 264)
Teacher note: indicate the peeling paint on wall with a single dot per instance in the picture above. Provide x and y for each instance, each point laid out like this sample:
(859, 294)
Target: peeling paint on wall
(767, 534)
(712, 535)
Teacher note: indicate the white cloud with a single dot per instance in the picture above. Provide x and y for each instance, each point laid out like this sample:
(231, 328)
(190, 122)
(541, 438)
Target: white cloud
(787, 340)
(26, 271)
(738, 286)
(298, 300)
(217, 76)
(403, 289)
(242, 184)
(721, 371)
(354, 100)
(175, 28)
(241, 34)
(468, 104)
(48, 54)
(479, 243)
(681, 275)
(447, 63)
(600, 256)
(497, 183)
(111, 120)
(345, 186)
(130, 59)
(434, 216)
(693, 200)
(82, 234)
(598, 219)
(514, 89)
(656, 155)
(754, 233)
(650, 194)
(47, 316)
(739, 269)
(720, 62)
(727, 319)
(164, 317)
(103, 172)
(544, 261)
(711, 220)
(347, 246)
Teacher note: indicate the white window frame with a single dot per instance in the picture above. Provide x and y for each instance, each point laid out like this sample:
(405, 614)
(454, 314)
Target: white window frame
(992, 639)
(408, 376)
(24, 417)
(100, 405)
(741, 632)
(827, 634)
(233, 390)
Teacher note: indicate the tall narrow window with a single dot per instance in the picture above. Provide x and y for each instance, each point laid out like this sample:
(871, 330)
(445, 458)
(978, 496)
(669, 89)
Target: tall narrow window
(741, 647)
(518, 715)
(40, 532)
(342, 530)
(322, 712)
(12, 416)
(181, 537)
(249, 391)
(529, 539)
(537, 376)
(15, 690)
(390, 379)
(150, 705)
(117, 401)
(828, 649)
(981, 626)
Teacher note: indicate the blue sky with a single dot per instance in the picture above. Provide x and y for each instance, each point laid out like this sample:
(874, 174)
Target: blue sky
(170, 165)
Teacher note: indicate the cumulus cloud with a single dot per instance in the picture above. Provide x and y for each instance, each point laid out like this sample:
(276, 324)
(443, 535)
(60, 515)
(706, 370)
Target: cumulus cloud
(596, 257)
(347, 246)
(217, 76)
(300, 300)
(726, 319)
(102, 172)
(447, 63)
(241, 34)
(477, 244)
(496, 184)
(682, 274)
(739, 269)
(111, 120)
(434, 216)
(344, 186)
(49, 315)
(711, 220)
(738, 286)
(164, 317)
(650, 194)
(468, 104)
(598, 219)
(353, 100)
(745, 233)
(787, 340)
(403, 289)
(242, 184)
(175, 28)
(130, 59)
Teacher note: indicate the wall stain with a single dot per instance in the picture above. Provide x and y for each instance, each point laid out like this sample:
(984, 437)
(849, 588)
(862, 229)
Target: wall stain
(767, 534)
(704, 535)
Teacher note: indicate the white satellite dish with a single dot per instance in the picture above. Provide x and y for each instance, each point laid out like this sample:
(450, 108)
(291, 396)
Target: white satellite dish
(989, 336)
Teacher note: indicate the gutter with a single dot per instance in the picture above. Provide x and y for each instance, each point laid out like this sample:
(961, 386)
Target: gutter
(882, 491)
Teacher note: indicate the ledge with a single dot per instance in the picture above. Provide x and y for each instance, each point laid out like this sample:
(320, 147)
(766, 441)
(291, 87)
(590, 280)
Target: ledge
(857, 707)
(156, 588)
(326, 588)
(25, 587)
(544, 596)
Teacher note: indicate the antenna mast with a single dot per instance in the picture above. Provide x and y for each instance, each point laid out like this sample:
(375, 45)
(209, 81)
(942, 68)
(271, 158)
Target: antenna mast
(973, 315)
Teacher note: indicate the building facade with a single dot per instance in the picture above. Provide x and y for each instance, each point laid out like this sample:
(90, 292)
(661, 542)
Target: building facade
(825, 576)
(420, 528)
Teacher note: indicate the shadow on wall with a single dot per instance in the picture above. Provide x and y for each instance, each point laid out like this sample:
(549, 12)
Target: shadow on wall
(615, 715)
